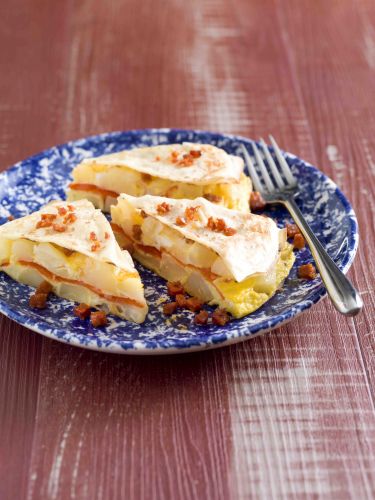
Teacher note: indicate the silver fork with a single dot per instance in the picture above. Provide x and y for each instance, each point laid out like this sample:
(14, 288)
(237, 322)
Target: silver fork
(282, 189)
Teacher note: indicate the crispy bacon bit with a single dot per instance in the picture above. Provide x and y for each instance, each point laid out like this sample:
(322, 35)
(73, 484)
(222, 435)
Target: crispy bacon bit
(299, 241)
(220, 317)
(213, 198)
(292, 230)
(201, 318)
(174, 288)
(98, 318)
(146, 177)
(49, 217)
(163, 208)
(62, 210)
(194, 304)
(38, 300)
(186, 161)
(70, 218)
(181, 300)
(195, 153)
(43, 223)
(143, 214)
(10, 217)
(71, 208)
(95, 246)
(59, 228)
(170, 308)
(191, 213)
(106, 235)
(229, 231)
(180, 221)
(137, 232)
(256, 201)
(44, 287)
(93, 236)
(82, 311)
(307, 272)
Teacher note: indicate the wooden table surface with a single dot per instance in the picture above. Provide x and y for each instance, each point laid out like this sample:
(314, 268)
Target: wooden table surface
(289, 415)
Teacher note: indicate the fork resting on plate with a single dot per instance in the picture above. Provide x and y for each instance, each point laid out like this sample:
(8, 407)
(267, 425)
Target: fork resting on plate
(278, 185)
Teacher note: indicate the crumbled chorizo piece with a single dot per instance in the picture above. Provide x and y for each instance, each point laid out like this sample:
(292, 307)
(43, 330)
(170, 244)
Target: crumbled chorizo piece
(157, 158)
(194, 304)
(175, 287)
(44, 287)
(181, 300)
(186, 161)
(71, 208)
(38, 300)
(191, 213)
(62, 210)
(229, 231)
(43, 223)
(181, 221)
(217, 225)
(70, 218)
(163, 208)
(137, 232)
(98, 318)
(257, 201)
(106, 235)
(146, 177)
(220, 317)
(93, 236)
(49, 217)
(59, 228)
(292, 230)
(95, 246)
(82, 311)
(174, 156)
(299, 241)
(213, 198)
(143, 214)
(201, 318)
(195, 153)
(169, 308)
(10, 217)
(307, 271)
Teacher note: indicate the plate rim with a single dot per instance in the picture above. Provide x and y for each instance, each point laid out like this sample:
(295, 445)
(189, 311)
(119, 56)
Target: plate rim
(138, 347)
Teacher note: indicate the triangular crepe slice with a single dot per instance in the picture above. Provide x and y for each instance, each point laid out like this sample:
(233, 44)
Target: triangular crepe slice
(221, 256)
(175, 170)
(72, 246)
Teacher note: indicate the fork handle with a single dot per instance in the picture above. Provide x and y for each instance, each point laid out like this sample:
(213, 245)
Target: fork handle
(344, 296)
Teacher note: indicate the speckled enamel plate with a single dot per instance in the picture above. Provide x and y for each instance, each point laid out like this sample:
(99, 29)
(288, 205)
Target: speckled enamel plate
(42, 178)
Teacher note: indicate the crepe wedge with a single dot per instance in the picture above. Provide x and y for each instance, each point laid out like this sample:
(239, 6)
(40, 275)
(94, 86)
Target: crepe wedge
(221, 256)
(175, 170)
(72, 246)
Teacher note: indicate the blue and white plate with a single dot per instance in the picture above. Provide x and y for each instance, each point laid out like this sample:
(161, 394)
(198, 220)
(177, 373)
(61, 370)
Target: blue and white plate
(43, 177)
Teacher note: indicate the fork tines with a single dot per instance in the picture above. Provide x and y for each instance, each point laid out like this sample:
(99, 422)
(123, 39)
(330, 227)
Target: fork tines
(281, 177)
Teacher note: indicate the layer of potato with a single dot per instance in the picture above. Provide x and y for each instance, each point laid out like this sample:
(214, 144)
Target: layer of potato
(125, 180)
(98, 284)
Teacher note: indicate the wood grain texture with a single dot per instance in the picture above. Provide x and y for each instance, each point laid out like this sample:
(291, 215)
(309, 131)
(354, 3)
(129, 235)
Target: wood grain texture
(289, 415)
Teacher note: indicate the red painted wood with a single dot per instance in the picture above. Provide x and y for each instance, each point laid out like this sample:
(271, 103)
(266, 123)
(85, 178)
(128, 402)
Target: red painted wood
(289, 415)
